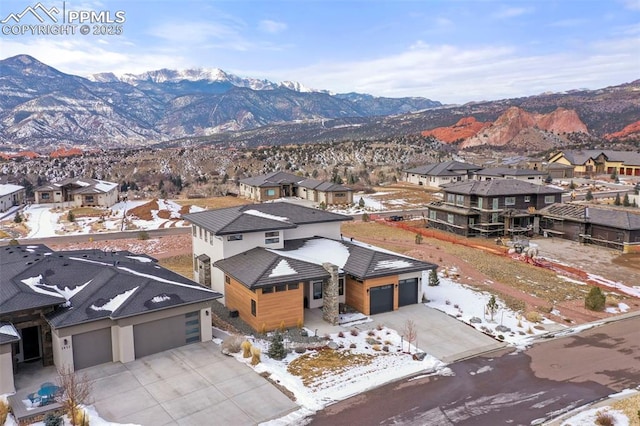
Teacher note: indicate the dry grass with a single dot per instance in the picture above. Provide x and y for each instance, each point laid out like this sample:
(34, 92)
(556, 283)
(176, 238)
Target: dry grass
(315, 365)
(529, 279)
(214, 202)
(630, 407)
(87, 212)
(143, 211)
(182, 264)
(4, 234)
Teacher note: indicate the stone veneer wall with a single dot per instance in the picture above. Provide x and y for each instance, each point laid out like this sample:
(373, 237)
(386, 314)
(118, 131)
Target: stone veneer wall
(330, 301)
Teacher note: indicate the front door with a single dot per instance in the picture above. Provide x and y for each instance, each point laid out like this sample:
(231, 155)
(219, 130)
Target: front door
(29, 344)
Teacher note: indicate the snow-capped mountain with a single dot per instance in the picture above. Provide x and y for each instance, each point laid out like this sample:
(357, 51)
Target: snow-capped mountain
(40, 105)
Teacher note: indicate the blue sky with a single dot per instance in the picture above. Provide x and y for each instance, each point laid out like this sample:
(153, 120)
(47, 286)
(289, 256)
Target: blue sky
(454, 51)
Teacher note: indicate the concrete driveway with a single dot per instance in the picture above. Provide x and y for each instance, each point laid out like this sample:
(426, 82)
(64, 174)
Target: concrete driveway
(192, 385)
(439, 334)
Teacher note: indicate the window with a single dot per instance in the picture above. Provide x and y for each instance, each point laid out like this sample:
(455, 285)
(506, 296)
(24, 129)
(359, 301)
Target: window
(432, 214)
(206, 236)
(451, 198)
(211, 238)
(317, 289)
(449, 218)
(193, 230)
(460, 200)
(45, 195)
(527, 198)
(271, 240)
(200, 231)
(293, 286)
(549, 199)
(282, 287)
(494, 218)
(271, 192)
(272, 234)
(253, 307)
(195, 263)
(237, 237)
(479, 203)
(341, 286)
(509, 201)
(88, 199)
(267, 290)
(340, 194)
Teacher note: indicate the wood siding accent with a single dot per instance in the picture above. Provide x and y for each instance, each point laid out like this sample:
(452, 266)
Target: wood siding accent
(358, 297)
(271, 308)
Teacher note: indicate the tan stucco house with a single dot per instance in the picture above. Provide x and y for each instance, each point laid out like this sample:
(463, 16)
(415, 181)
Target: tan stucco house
(78, 192)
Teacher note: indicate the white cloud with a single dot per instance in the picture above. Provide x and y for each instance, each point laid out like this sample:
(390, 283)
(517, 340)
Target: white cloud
(632, 4)
(272, 27)
(512, 12)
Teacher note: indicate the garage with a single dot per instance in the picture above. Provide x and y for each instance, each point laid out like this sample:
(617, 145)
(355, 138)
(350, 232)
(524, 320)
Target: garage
(92, 348)
(167, 333)
(408, 292)
(380, 299)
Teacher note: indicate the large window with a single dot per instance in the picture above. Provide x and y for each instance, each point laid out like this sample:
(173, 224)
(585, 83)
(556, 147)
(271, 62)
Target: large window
(449, 218)
(272, 237)
(271, 192)
(317, 289)
(451, 198)
(460, 200)
(45, 195)
(549, 199)
(509, 201)
(432, 214)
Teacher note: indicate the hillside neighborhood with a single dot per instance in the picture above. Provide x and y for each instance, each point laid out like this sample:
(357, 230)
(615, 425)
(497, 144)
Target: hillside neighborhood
(290, 270)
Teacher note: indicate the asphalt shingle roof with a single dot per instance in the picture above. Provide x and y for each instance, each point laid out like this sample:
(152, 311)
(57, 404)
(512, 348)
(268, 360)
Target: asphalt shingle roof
(507, 171)
(272, 179)
(619, 219)
(579, 157)
(498, 187)
(448, 168)
(77, 281)
(260, 217)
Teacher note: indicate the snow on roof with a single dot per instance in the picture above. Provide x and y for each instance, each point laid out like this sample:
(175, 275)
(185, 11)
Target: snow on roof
(163, 280)
(35, 284)
(115, 302)
(160, 298)
(105, 186)
(266, 215)
(319, 251)
(9, 188)
(9, 330)
(392, 264)
(281, 269)
(140, 259)
(82, 183)
(89, 261)
(376, 248)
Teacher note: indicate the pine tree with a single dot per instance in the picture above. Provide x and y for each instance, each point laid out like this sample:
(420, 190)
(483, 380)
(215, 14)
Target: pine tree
(617, 200)
(595, 300)
(17, 218)
(434, 280)
(589, 195)
(625, 200)
(276, 348)
(492, 306)
(361, 202)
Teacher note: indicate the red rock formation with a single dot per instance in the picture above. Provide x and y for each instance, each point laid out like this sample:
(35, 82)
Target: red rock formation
(515, 120)
(465, 128)
(632, 129)
(61, 152)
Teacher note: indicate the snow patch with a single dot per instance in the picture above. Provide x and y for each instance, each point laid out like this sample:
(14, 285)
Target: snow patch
(266, 215)
(8, 330)
(161, 298)
(115, 302)
(282, 268)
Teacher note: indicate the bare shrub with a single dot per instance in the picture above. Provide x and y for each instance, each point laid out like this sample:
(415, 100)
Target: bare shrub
(76, 391)
(232, 344)
(379, 327)
(354, 332)
(533, 316)
(4, 411)
(341, 334)
(604, 418)
(246, 349)
(371, 333)
(410, 332)
(255, 355)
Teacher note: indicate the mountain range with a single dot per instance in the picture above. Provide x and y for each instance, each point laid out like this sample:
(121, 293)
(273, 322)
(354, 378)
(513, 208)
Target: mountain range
(42, 108)
(40, 105)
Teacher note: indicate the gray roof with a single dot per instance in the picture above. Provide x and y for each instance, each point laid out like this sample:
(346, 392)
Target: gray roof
(8, 333)
(261, 217)
(449, 168)
(323, 186)
(80, 186)
(272, 179)
(507, 171)
(8, 188)
(265, 267)
(79, 283)
(619, 219)
(579, 157)
(499, 187)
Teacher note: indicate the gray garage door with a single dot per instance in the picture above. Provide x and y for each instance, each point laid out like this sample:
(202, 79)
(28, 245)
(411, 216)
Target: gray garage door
(92, 348)
(407, 292)
(381, 299)
(168, 333)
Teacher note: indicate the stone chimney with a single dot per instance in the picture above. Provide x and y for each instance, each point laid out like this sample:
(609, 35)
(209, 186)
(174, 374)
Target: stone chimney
(330, 302)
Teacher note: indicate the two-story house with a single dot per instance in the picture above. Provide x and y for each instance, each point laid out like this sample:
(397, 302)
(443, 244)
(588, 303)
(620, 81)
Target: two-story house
(589, 162)
(528, 175)
(272, 261)
(490, 208)
(78, 192)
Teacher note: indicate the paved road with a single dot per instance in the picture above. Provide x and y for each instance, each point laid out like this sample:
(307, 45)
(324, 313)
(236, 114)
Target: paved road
(508, 388)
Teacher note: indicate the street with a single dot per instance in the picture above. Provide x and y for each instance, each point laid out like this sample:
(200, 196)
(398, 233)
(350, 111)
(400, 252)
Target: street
(506, 387)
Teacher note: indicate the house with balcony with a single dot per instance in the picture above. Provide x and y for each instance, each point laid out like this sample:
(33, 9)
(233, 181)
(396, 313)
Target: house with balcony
(491, 208)
(78, 192)
(434, 175)
(272, 261)
(277, 185)
(81, 308)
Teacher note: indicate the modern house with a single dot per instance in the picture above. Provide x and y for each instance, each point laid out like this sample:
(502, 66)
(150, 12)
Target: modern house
(588, 162)
(277, 185)
(490, 208)
(11, 195)
(527, 175)
(437, 174)
(272, 261)
(82, 308)
(619, 229)
(78, 192)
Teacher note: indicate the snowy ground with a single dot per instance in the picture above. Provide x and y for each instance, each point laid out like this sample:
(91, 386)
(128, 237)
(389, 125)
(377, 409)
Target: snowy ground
(589, 416)
(44, 221)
